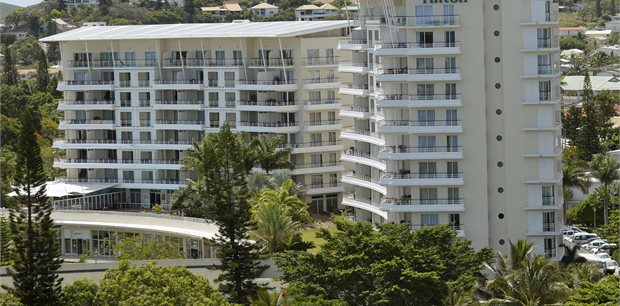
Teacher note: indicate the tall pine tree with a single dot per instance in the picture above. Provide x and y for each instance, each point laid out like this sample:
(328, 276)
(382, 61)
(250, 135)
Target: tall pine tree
(43, 76)
(37, 250)
(9, 71)
(219, 161)
(592, 125)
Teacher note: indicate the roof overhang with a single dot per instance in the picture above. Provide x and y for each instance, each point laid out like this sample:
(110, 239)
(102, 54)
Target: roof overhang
(57, 189)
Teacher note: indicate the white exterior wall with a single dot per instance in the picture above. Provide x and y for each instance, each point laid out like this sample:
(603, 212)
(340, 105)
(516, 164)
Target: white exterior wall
(507, 124)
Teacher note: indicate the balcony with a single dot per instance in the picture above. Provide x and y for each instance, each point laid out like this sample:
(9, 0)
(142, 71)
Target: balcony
(123, 143)
(422, 179)
(271, 62)
(545, 98)
(270, 105)
(421, 127)
(178, 84)
(362, 135)
(364, 204)
(111, 64)
(168, 184)
(542, 71)
(546, 203)
(353, 67)
(321, 83)
(352, 44)
(416, 49)
(83, 124)
(134, 85)
(274, 85)
(545, 44)
(354, 89)
(179, 104)
(314, 147)
(86, 105)
(324, 104)
(179, 124)
(363, 158)
(78, 163)
(427, 21)
(418, 101)
(548, 18)
(423, 205)
(364, 181)
(320, 61)
(85, 85)
(314, 168)
(460, 228)
(323, 188)
(268, 127)
(355, 112)
(201, 63)
(420, 153)
(418, 74)
(322, 125)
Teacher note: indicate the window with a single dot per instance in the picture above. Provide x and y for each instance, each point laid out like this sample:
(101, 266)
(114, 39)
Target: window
(316, 139)
(455, 221)
(315, 97)
(130, 59)
(425, 39)
(332, 138)
(544, 90)
(425, 65)
(427, 143)
(315, 118)
(449, 39)
(313, 56)
(317, 181)
(426, 117)
(550, 247)
(548, 196)
(331, 117)
(429, 219)
(449, 14)
(237, 58)
(453, 169)
(427, 169)
(423, 14)
(452, 143)
(329, 56)
(316, 159)
(453, 196)
(428, 196)
(543, 36)
(547, 10)
(451, 91)
(220, 58)
(544, 64)
(450, 65)
(548, 221)
(426, 91)
(451, 117)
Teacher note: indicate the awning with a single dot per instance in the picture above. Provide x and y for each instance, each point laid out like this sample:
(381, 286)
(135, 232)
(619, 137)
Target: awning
(58, 189)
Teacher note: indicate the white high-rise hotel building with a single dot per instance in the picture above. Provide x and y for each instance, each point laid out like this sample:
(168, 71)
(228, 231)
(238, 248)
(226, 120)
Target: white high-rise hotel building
(456, 118)
(135, 97)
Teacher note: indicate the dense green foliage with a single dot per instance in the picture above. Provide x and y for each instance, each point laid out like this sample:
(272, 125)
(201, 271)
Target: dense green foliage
(147, 284)
(143, 248)
(388, 266)
(568, 43)
(37, 251)
(604, 292)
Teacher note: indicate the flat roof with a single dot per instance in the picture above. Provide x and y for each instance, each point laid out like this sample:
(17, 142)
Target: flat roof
(599, 83)
(197, 30)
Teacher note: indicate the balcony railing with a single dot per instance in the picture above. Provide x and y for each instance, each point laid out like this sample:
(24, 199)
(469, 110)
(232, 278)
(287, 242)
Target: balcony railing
(406, 149)
(354, 41)
(115, 161)
(459, 227)
(176, 82)
(354, 64)
(548, 226)
(421, 97)
(357, 109)
(416, 45)
(428, 20)
(417, 71)
(310, 144)
(369, 201)
(405, 201)
(271, 62)
(431, 175)
(318, 165)
(85, 121)
(125, 141)
(321, 102)
(179, 102)
(316, 61)
(355, 153)
(268, 82)
(185, 122)
(267, 103)
(82, 102)
(354, 86)
(268, 124)
(362, 132)
(322, 122)
(116, 180)
(422, 122)
(548, 200)
(320, 80)
(323, 185)
(197, 62)
(89, 82)
(110, 63)
(547, 69)
(362, 177)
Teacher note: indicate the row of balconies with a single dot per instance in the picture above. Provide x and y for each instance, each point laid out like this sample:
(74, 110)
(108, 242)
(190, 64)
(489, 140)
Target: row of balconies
(435, 21)
(266, 105)
(201, 63)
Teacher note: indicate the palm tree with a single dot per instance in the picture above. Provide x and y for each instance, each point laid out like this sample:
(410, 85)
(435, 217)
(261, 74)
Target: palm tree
(270, 155)
(274, 226)
(573, 176)
(295, 207)
(257, 181)
(267, 298)
(605, 169)
(249, 151)
(187, 201)
(520, 253)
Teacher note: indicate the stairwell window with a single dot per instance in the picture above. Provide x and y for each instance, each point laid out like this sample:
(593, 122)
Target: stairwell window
(544, 90)
(548, 221)
(548, 196)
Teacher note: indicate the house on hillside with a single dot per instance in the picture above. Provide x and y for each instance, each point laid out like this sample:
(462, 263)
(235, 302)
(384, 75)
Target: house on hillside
(76, 3)
(264, 9)
(310, 12)
(572, 31)
(224, 10)
(62, 26)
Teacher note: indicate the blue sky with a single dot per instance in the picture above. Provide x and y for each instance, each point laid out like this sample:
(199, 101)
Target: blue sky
(22, 2)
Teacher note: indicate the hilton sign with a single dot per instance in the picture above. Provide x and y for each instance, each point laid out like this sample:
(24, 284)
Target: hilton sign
(444, 1)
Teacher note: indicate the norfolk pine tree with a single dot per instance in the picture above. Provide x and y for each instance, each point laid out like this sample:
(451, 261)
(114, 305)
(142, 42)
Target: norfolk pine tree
(9, 71)
(37, 251)
(219, 161)
(43, 77)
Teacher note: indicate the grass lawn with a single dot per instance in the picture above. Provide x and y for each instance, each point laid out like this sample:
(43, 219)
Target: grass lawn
(309, 235)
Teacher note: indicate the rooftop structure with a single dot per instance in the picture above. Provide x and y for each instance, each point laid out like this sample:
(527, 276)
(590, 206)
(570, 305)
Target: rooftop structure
(264, 9)
(311, 12)
(223, 10)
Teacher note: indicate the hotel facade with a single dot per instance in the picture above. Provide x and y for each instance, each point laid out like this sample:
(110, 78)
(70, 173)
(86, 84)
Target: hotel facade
(456, 118)
(136, 97)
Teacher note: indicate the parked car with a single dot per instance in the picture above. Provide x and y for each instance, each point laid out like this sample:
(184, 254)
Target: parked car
(603, 255)
(610, 266)
(580, 238)
(597, 243)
